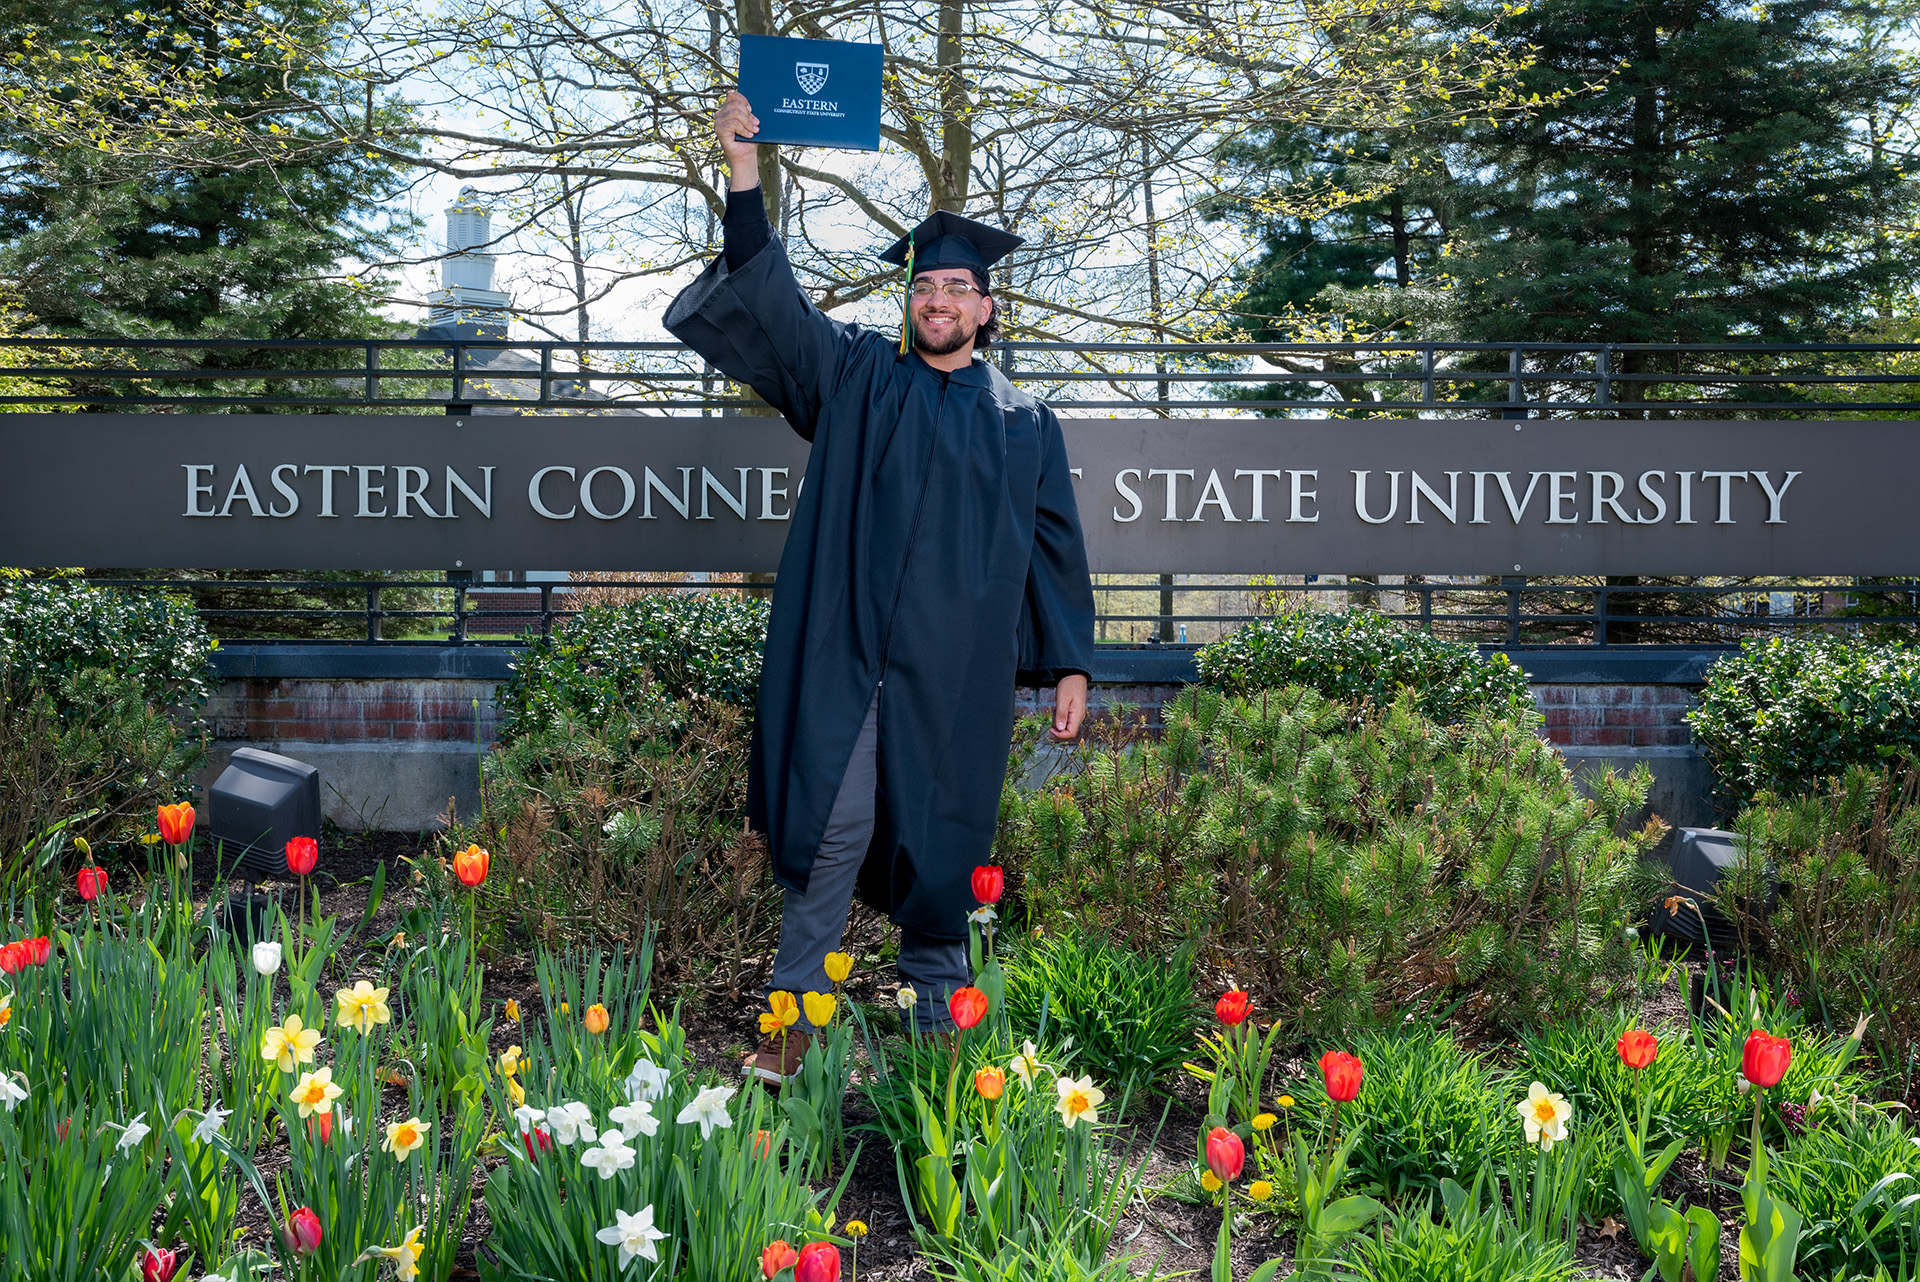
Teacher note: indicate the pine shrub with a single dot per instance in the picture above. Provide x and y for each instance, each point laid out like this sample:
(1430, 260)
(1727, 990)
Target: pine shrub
(1358, 865)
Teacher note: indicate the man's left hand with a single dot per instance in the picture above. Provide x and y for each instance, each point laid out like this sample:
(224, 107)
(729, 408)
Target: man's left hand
(1069, 706)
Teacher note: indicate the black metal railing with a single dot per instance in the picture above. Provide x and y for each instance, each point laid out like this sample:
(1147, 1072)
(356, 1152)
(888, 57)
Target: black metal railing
(1318, 379)
(1506, 611)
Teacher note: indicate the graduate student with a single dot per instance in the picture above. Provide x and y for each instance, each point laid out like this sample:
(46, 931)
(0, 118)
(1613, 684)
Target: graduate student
(933, 563)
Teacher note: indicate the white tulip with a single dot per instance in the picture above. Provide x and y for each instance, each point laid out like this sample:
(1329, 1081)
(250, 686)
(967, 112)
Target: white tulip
(266, 956)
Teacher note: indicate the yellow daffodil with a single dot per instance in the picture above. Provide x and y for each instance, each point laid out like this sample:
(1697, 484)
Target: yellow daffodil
(1264, 1121)
(1545, 1115)
(510, 1060)
(405, 1257)
(1259, 1190)
(315, 1092)
(362, 1006)
(513, 1011)
(820, 1008)
(1079, 1100)
(517, 1093)
(6, 1009)
(1210, 1182)
(839, 966)
(289, 1044)
(404, 1137)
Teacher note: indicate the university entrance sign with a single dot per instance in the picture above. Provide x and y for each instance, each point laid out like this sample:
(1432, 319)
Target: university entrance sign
(1228, 496)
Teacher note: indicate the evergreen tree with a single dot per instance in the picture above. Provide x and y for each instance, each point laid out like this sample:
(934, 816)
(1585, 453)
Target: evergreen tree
(1695, 175)
(96, 244)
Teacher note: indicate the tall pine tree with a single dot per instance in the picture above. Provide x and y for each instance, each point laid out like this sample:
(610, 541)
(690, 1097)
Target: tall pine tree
(1696, 176)
(94, 244)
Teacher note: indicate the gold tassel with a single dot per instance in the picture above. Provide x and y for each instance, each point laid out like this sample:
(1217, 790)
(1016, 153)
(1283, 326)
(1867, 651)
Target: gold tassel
(906, 323)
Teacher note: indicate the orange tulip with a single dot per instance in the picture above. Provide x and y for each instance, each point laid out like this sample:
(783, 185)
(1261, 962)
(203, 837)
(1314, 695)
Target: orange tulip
(176, 823)
(777, 1255)
(990, 1083)
(595, 1019)
(471, 866)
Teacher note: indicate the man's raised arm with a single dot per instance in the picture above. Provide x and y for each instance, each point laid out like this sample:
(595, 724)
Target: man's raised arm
(746, 313)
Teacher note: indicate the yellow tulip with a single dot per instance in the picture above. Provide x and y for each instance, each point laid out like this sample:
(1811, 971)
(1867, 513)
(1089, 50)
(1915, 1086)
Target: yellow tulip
(784, 1008)
(820, 1008)
(513, 1011)
(839, 966)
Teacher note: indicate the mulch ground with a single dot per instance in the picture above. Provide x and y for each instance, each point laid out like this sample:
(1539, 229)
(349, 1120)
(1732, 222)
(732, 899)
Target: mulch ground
(1172, 1234)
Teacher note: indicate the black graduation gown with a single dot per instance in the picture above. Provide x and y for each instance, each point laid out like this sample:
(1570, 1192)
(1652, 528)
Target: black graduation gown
(934, 555)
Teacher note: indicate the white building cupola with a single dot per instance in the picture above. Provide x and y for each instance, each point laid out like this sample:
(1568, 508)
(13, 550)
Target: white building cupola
(466, 302)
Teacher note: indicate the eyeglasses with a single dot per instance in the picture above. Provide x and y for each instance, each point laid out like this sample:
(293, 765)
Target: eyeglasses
(958, 290)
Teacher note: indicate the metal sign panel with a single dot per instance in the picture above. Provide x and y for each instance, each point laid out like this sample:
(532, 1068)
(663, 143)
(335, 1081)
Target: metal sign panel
(1228, 496)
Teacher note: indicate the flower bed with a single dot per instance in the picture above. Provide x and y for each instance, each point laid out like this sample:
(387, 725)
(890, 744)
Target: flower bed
(342, 1086)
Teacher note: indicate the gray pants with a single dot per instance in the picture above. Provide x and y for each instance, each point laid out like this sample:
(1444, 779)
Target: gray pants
(811, 925)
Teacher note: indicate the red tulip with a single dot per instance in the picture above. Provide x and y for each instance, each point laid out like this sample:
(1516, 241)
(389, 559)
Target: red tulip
(1637, 1048)
(819, 1262)
(158, 1265)
(176, 823)
(302, 854)
(1342, 1073)
(39, 948)
(1226, 1155)
(1233, 1007)
(302, 1233)
(776, 1256)
(989, 883)
(90, 883)
(1764, 1060)
(320, 1128)
(968, 1006)
(12, 958)
(538, 1141)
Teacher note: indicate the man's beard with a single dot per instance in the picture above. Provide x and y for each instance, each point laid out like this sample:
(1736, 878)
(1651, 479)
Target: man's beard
(958, 337)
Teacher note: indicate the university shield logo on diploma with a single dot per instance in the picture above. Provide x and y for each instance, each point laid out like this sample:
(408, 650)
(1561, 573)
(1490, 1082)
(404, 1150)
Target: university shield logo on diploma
(813, 93)
(811, 75)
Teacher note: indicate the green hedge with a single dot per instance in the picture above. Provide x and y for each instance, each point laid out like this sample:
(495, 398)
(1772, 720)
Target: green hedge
(1785, 713)
(51, 632)
(1362, 655)
(600, 660)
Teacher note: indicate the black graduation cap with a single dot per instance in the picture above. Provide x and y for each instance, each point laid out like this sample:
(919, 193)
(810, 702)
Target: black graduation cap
(948, 240)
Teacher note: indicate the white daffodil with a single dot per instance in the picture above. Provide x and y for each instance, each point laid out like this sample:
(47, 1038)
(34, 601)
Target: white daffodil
(1545, 1115)
(529, 1117)
(133, 1132)
(634, 1235)
(906, 997)
(1026, 1065)
(648, 1081)
(1079, 1101)
(571, 1121)
(983, 915)
(266, 956)
(634, 1119)
(210, 1123)
(609, 1156)
(709, 1108)
(13, 1089)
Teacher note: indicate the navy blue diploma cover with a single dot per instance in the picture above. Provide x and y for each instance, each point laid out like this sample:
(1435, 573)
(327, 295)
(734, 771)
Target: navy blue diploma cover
(813, 93)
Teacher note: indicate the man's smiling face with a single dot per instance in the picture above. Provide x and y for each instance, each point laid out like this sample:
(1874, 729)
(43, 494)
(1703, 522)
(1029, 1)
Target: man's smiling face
(947, 309)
